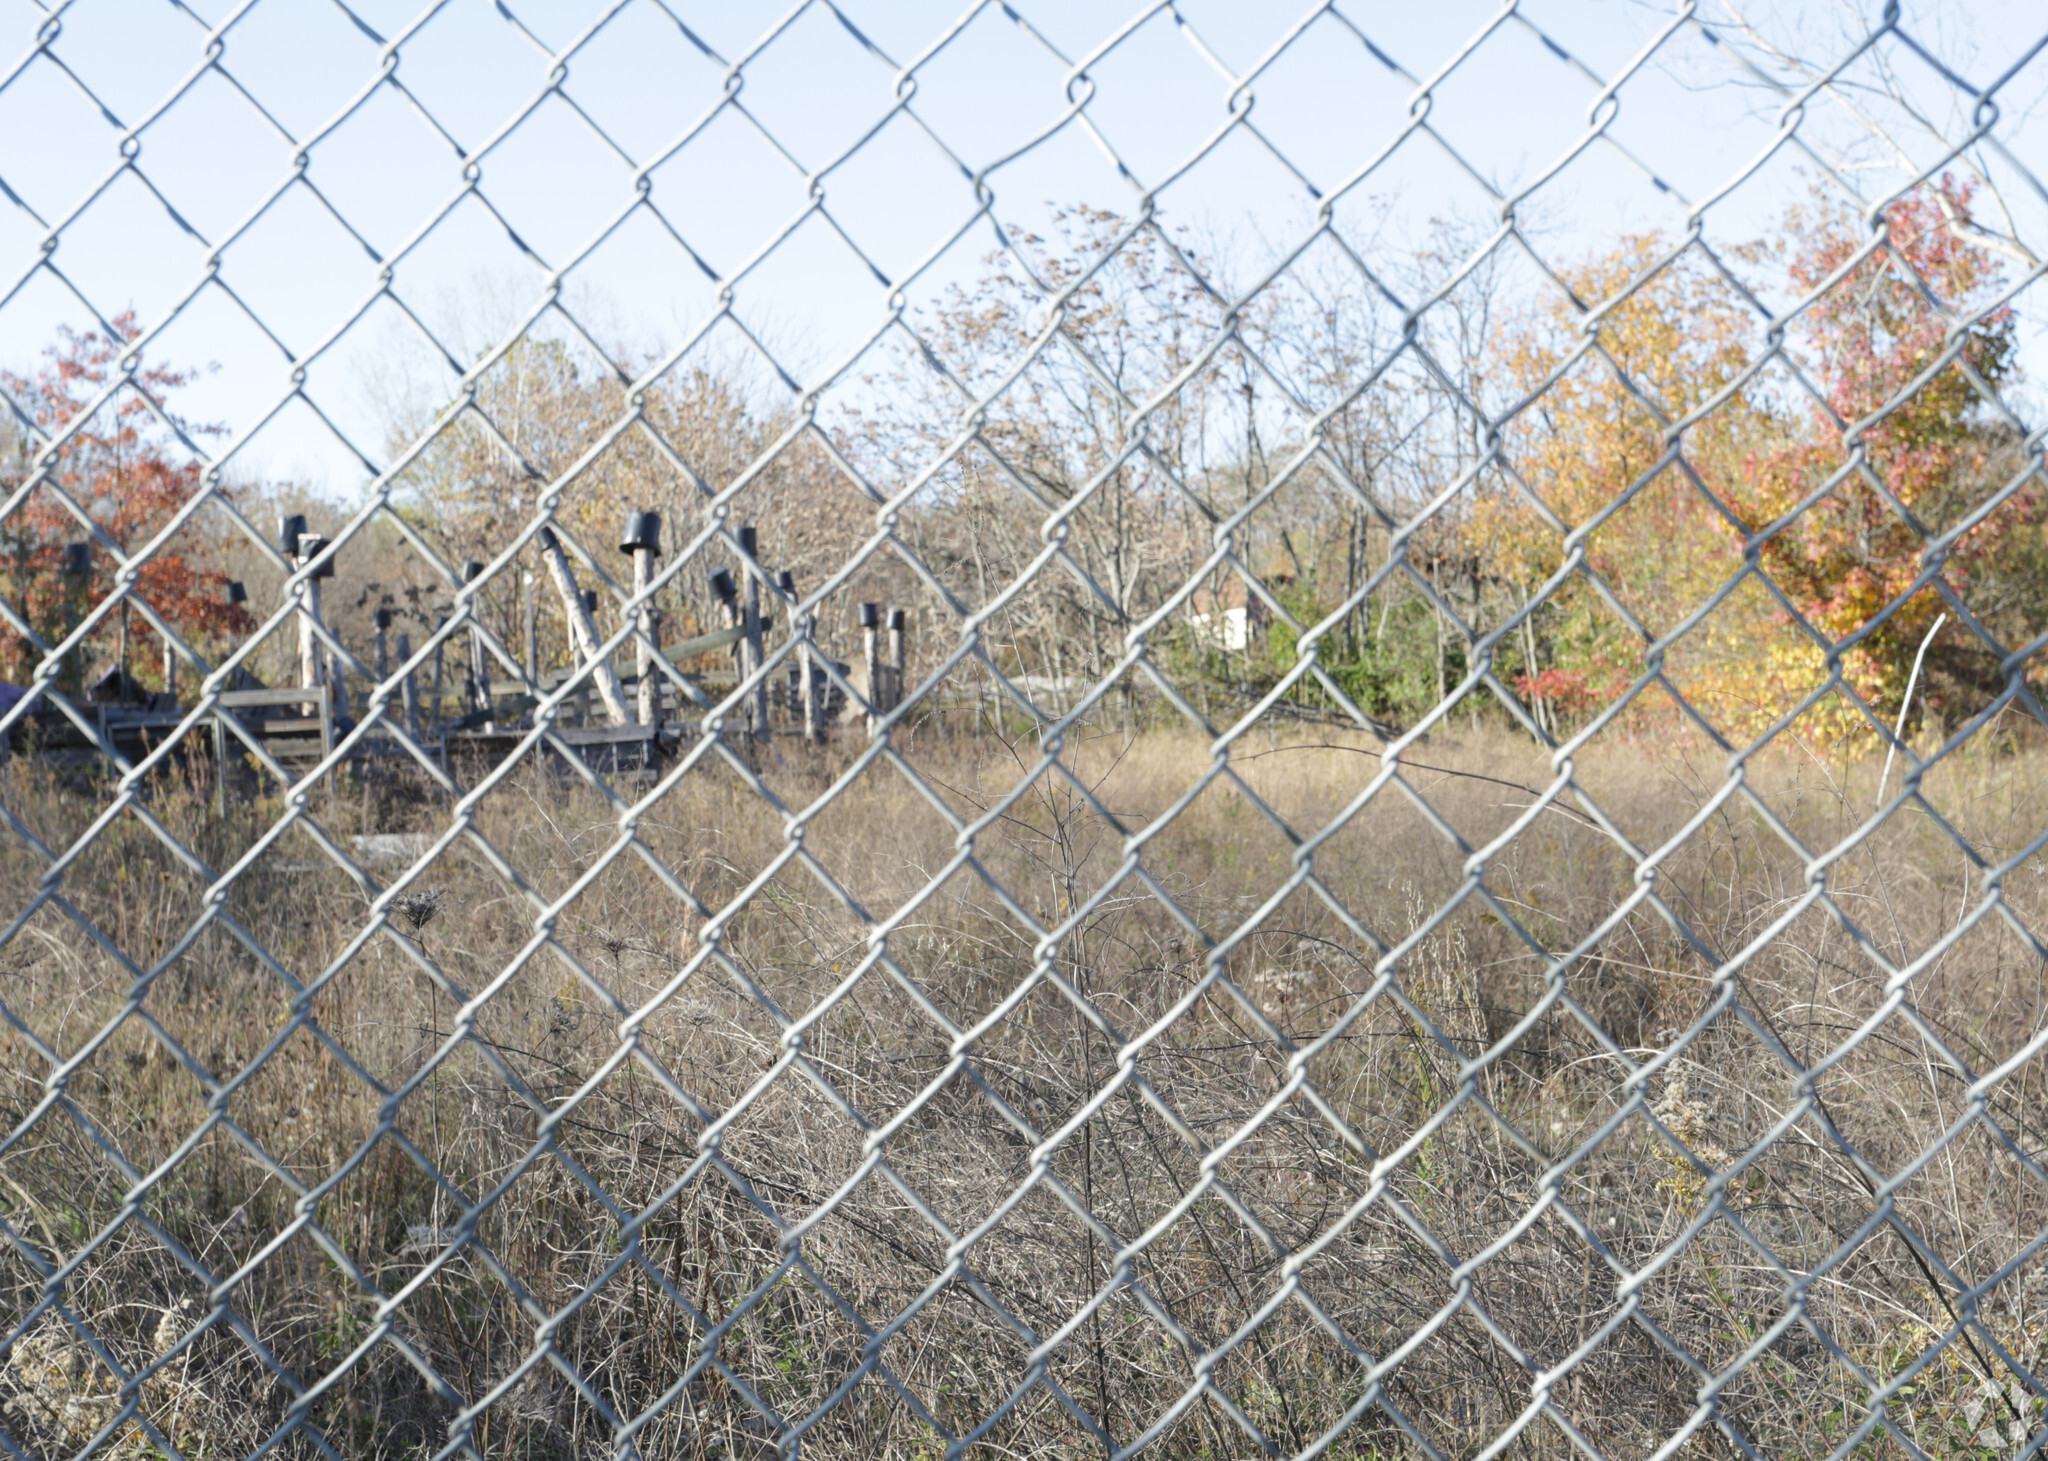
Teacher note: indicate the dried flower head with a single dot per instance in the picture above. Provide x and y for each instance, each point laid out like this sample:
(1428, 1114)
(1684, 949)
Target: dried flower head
(418, 906)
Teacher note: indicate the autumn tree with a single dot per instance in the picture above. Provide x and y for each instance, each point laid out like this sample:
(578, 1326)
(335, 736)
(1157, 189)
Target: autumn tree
(1668, 527)
(1901, 446)
(1590, 453)
(125, 471)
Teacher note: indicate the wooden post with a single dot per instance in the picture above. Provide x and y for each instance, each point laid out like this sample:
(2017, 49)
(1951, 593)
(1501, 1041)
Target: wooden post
(382, 619)
(657, 627)
(236, 593)
(220, 764)
(870, 620)
(757, 700)
(643, 541)
(808, 680)
(582, 629)
(532, 615)
(727, 593)
(312, 653)
(408, 690)
(337, 684)
(309, 642)
(468, 676)
(818, 688)
(170, 669)
(434, 696)
(896, 622)
(590, 689)
(77, 567)
(643, 657)
(337, 671)
(290, 528)
(479, 654)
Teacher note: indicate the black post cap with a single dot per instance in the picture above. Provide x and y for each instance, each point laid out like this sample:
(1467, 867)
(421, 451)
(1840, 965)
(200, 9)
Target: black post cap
(870, 615)
(750, 542)
(312, 545)
(896, 619)
(590, 601)
(643, 530)
(235, 593)
(382, 618)
(786, 581)
(472, 570)
(289, 531)
(78, 559)
(722, 585)
(548, 541)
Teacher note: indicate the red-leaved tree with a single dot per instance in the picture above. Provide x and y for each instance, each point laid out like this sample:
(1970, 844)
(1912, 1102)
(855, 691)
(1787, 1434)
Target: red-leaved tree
(124, 468)
(1935, 448)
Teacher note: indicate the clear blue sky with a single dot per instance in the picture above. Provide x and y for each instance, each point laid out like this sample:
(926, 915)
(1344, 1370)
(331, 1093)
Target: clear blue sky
(1328, 103)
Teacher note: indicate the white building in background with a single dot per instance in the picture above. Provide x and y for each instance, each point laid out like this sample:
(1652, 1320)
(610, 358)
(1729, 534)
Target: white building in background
(1227, 617)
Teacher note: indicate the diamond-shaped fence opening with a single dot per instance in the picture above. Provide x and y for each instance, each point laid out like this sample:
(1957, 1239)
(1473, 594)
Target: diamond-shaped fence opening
(1184, 734)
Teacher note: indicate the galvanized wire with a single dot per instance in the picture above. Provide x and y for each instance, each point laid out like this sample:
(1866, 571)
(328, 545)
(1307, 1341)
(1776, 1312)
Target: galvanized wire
(713, 536)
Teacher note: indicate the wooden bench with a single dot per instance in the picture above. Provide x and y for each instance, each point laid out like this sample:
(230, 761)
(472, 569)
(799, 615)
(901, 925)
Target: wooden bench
(298, 737)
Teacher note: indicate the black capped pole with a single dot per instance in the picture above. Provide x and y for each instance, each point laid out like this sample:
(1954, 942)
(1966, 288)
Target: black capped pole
(408, 690)
(807, 679)
(234, 592)
(530, 613)
(289, 530)
(871, 650)
(77, 565)
(434, 694)
(897, 621)
(311, 546)
(752, 655)
(312, 662)
(642, 542)
(382, 620)
(597, 633)
(479, 656)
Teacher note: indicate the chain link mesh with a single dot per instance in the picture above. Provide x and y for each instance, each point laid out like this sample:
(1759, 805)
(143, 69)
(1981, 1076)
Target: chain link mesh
(964, 1070)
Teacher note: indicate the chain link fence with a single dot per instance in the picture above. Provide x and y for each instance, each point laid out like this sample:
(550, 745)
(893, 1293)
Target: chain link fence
(1418, 851)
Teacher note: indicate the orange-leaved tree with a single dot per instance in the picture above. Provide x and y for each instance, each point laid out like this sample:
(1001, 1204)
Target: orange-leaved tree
(1899, 351)
(124, 469)
(1892, 346)
(1593, 448)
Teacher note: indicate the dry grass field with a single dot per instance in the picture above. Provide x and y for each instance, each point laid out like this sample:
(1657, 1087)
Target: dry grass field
(338, 1166)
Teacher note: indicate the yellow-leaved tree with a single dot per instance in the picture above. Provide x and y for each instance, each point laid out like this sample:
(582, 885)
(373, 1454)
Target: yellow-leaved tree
(1597, 454)
(1652, 443)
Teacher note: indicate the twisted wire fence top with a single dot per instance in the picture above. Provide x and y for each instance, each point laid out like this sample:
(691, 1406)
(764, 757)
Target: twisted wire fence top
(1354, 908)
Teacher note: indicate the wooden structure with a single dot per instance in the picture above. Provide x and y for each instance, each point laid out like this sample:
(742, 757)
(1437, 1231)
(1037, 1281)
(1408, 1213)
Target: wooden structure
(617, 722)
(304, 733)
